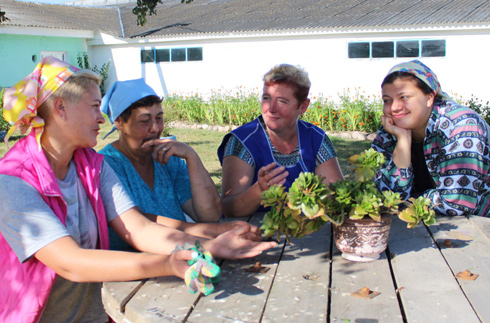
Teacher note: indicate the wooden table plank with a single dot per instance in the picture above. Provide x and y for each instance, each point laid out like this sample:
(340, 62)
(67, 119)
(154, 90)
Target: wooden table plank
(349, 277)
(117, 294)
(300, 290)
(427, 288)
(162, 299)
(469, 250)
(240, 296)
(483, 225)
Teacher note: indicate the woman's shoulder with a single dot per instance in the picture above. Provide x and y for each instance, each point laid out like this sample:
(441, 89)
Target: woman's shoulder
(247, 127)
(108, 150)
(454, 111)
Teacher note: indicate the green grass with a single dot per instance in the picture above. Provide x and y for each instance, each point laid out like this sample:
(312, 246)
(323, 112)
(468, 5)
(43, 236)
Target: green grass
(206, 143)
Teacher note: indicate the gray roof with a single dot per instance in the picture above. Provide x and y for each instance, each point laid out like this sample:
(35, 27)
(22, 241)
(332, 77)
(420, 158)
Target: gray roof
(203, 17)
(28, 14)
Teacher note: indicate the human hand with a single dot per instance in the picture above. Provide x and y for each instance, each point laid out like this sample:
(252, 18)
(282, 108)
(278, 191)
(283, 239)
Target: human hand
(163, 149)
(177, 264)
(233, 245)
(252, 232)
(391, 128)
(271, 175)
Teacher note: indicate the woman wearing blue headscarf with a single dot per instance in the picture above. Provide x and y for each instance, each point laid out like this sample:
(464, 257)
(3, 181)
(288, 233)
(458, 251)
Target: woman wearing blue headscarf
(165, 178)
(434, 146)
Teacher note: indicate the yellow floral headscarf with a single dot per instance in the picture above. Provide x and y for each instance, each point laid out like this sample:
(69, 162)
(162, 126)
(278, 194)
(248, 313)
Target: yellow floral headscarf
(20, 102)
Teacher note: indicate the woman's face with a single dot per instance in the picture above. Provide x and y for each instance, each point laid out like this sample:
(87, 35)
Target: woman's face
(84, 118)
(280, 108)
(144, 123)
(409, 107)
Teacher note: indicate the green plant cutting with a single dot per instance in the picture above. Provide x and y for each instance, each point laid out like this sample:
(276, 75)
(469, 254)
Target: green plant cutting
(309, 203)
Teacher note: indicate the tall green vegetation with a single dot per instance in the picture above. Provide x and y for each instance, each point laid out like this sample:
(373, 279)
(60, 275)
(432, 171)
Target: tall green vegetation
(103, 71)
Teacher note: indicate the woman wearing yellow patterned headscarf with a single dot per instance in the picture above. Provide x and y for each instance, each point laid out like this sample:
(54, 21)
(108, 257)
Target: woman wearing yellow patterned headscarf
(23, 99)
(58, 198)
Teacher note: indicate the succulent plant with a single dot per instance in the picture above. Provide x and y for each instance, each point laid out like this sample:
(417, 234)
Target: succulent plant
(297, 212)
(309, 203)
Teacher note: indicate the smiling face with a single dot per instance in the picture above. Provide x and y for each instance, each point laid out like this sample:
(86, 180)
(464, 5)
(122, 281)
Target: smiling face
(409, 107)
(143, 124)
(83, 119)
(280, 108)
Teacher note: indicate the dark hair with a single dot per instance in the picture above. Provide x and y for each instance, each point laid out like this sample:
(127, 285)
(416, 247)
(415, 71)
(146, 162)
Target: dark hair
(147, 101)
(392, 77)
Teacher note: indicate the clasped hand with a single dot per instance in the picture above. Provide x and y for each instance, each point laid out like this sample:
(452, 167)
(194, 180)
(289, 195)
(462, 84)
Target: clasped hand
(271, 175)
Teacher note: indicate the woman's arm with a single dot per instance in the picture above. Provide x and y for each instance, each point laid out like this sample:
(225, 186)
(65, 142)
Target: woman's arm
(206, 230)
(205, 204)
(402, 156)
(76, 264)
(240, 196)
(146, 235)
(330, 170)
(390, 176)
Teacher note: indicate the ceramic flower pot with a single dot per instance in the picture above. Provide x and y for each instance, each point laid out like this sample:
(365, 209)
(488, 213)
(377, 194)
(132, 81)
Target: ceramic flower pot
(362, 240)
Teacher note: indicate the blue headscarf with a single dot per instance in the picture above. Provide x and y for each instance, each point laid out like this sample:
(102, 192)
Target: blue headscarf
(121, 95)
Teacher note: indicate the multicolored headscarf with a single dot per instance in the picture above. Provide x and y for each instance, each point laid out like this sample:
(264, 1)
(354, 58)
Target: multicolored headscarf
(20, 102)
(424, 73)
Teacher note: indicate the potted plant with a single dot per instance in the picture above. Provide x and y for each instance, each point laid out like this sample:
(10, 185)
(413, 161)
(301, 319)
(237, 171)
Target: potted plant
(361, 214)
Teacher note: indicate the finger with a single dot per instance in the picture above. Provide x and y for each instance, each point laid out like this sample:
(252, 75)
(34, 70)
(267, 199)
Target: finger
(266, 169)
(183, 255)
(151, 142)
(255, 250)
(282, 182)
(254, 228)
(251, 236)
(241, 230)
(279, 179)
(277, 171)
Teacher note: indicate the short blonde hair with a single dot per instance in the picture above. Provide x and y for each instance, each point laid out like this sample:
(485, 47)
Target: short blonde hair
(72, 90)
(294, 76)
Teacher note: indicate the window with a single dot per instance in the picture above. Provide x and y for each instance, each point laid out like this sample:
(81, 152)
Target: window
(402, 49)
(383, 49)
(171, 55)
(147, 55)
(178, 54)
(359, 50)
(59, 55)
(407, 49)
(433, 48)
(163, 55)
(194, 54)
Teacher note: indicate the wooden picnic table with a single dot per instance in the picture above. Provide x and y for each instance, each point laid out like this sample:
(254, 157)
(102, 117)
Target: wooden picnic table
(310, 281)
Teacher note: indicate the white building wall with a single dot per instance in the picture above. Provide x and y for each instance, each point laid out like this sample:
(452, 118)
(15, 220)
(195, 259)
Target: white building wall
(230, 62)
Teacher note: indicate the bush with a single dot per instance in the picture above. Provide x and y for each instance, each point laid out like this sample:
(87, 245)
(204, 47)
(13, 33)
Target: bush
(4, 125)
(356, 111)
(482, 109)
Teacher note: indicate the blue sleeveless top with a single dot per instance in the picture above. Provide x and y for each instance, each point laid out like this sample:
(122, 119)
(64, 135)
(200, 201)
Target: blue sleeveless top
(253, 137)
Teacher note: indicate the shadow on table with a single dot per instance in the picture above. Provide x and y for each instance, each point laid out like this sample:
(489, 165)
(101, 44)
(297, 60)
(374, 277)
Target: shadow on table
(315, 244)
(222, 292)
(404, 240)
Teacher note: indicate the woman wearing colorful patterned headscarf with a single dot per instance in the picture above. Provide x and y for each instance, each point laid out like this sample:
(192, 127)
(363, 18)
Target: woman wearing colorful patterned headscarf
(58, 197)
(434, 146)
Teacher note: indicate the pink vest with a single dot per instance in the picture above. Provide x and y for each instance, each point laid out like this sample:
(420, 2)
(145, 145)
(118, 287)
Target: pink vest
(25, 287)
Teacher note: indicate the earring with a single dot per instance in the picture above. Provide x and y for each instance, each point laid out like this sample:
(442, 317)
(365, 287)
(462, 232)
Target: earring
(63, 117)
